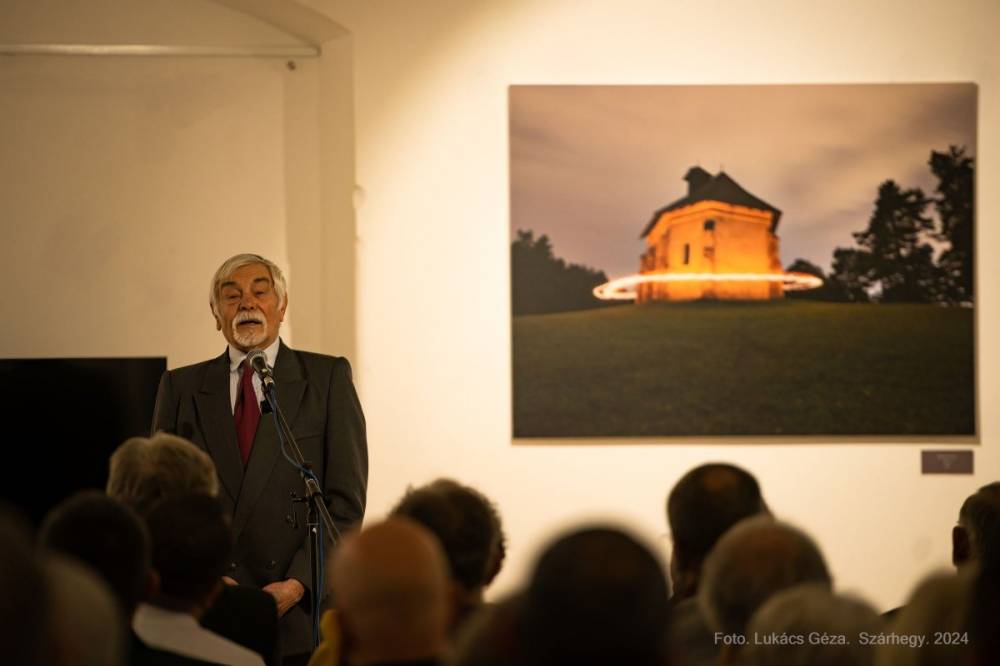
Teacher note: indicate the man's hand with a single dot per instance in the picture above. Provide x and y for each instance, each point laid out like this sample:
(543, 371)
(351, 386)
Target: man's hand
(229, 581)
(286, 594)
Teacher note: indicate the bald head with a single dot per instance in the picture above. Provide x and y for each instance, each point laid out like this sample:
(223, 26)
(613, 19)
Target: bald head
(390, 584)
(751, 562)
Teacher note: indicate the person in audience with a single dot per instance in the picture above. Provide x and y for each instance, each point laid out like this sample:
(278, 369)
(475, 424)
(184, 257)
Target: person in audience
(23, 601)
(84, 622)
(107, 536)
(938, 608)
(808, 625)
(976, 547)
(468, 527)
(978, 527)
(704, 503)
(596, 596)
(984, 614)
(391, 589)
(143, 472)
(692, 642)
(192, 542)
(975, 537)
(754, 560)
(490, 637)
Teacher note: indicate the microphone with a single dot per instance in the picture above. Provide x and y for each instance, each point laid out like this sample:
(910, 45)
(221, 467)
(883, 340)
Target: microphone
(258, 361)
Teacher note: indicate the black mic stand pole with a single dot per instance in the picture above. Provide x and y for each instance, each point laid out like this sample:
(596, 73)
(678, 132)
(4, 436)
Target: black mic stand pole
(315, 503)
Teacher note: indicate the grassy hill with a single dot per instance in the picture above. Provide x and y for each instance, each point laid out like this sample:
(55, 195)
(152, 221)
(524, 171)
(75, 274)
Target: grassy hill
(718, 369)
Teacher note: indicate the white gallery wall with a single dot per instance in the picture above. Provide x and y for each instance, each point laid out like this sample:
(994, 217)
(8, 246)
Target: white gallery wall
(125, 181)
(119, 194)
(378, 175)
(433, 361)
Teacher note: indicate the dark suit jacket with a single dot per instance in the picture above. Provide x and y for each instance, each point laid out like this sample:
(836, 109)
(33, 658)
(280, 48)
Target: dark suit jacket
(322, 408)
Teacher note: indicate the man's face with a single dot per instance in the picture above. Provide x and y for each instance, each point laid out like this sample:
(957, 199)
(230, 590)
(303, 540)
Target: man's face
(249, 313)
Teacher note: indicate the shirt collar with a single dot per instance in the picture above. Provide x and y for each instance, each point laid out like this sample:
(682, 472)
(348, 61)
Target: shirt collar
(270, 353)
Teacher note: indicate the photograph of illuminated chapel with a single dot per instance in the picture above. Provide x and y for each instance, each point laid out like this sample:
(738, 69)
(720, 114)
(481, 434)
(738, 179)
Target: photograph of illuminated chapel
(719, 261)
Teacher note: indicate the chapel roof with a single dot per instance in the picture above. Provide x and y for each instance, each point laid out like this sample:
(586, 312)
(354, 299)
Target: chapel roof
(703, 186)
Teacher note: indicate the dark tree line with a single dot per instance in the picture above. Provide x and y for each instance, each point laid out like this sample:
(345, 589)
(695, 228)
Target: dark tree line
(542, 282)
(893, 260)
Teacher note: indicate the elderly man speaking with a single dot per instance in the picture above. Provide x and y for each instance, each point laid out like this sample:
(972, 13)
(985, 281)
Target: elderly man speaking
(216, 404)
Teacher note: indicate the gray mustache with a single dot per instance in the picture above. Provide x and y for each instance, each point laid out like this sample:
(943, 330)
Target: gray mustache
(246, 316)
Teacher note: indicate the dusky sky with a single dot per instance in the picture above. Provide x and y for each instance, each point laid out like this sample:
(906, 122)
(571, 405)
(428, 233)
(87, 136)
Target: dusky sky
(590, 164)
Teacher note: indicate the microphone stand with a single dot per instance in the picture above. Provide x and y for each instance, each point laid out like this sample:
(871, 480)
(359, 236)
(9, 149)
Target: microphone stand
(315, 503)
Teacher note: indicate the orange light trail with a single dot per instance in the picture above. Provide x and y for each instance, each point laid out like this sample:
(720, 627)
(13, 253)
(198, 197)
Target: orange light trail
(624, 288)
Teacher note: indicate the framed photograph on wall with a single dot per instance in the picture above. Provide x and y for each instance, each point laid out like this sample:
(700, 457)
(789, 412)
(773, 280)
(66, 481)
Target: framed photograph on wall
(743, 261)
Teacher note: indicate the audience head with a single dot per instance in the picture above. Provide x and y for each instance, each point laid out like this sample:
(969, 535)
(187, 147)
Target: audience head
(490, 637)
(597, 596)
(466, 524)
(808, 614)
(977, 535)
(705, 503)
(754, 560)
(939, 604)
(147, 470)
(84, 620)
(390, 583)
(23, 600)
(107, 536)
(192, 541)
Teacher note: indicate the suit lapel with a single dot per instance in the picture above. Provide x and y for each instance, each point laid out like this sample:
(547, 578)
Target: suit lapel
(290, 385)
(216, 413)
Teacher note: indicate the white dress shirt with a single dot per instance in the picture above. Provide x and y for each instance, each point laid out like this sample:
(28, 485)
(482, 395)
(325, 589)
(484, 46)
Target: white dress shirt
(235, 372)
(180, 633)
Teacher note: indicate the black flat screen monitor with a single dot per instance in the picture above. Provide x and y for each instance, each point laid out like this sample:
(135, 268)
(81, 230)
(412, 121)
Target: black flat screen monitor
(62, 419)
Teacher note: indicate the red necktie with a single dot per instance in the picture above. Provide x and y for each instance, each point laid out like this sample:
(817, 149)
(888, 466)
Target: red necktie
(246, 414)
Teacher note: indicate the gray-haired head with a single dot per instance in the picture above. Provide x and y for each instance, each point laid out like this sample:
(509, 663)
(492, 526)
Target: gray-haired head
(753, 561)
(940, 606)
(234, 263)
(807, 625)
(147, 470)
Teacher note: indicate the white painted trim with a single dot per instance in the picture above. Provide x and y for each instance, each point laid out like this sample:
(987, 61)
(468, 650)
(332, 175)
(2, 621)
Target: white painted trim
(304, 51)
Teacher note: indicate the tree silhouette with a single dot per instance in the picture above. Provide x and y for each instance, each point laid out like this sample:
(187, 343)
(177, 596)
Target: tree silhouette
(894, 263)
(902, 265)
(852, 274)
(831, 289)
(542, 283)
(954, 205)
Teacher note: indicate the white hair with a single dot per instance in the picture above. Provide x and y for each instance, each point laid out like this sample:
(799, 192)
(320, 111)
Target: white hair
(232, 264)
(939, 605)
(146, 470)
(804, 613)
(757, 558)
